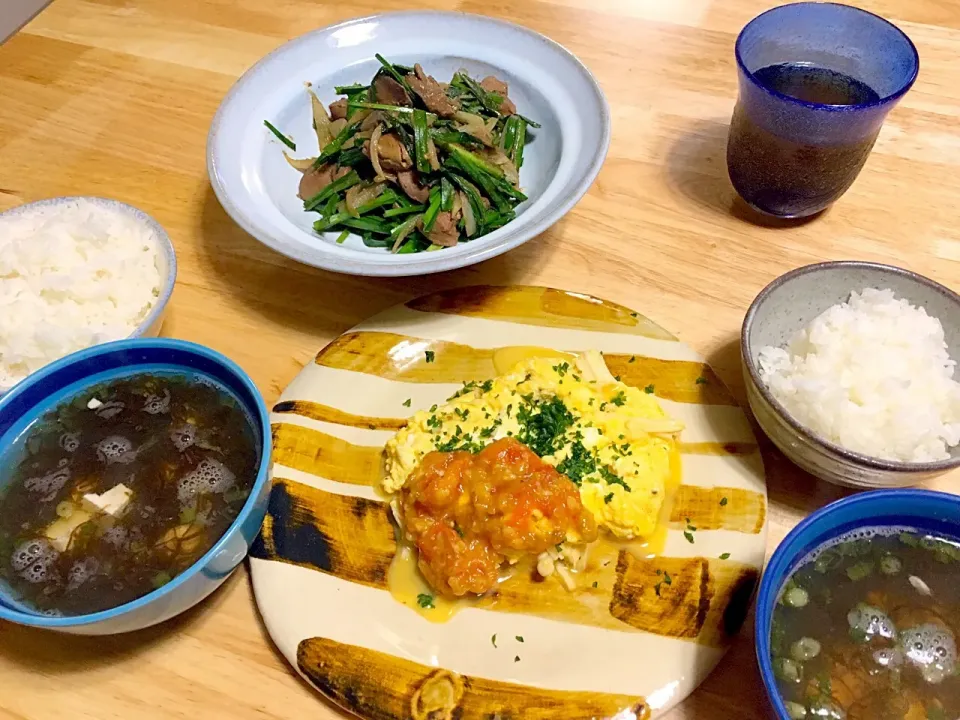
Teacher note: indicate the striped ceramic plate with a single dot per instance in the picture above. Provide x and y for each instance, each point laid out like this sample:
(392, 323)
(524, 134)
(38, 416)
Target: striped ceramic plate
(628, 645)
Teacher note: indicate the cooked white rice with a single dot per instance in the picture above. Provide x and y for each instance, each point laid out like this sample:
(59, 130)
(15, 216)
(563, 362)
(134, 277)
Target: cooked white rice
(71, 275)
(872, 375)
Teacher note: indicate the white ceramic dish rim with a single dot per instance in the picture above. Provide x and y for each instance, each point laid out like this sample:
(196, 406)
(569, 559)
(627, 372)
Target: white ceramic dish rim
(803, 431)
(298, 602)
(164, 247)
(510, 236)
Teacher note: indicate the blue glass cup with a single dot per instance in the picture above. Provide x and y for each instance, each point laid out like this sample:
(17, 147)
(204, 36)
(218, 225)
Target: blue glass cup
(816, 83)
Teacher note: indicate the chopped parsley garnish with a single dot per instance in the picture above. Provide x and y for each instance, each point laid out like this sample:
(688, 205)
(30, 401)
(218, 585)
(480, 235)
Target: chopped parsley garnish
(434, 422)
(406, 403)
(430, 355)
(488, 432)
(619, 399)
(723, 501)
(633, 314)
(543, 424)
(607, 498)
(471, 386)
(725, 556)
(579, 464)
(689, 536)
(562, 368)
(519, 638)
(633, 358)
(457, 529)
(667, 580)
(649, 389)
(613, 479)
(433, 408)
(493, 639)
(701, 380)
(595, 583)
(425, 601)
(459, 442)
(467, 387)
(516, 658)
(461, 413)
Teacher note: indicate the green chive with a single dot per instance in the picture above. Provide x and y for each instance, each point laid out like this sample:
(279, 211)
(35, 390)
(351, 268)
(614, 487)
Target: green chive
(280, 136)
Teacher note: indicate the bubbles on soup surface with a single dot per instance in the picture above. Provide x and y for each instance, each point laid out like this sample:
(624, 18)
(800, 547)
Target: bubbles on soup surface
(70, 441)
(157, 404)
(932, 649)
(32, 560)
(49, 485)
(116, 449)
(210, 476)
(184, 436)
(109, 409)
(116, 536)
(81, 571)
(871, 621)
(31, 551)
(888, 657)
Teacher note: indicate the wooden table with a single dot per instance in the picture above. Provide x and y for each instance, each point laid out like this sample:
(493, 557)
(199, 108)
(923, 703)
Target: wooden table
(114, 98)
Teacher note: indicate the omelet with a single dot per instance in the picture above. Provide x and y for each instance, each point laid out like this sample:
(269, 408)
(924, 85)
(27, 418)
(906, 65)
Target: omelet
(613, 441)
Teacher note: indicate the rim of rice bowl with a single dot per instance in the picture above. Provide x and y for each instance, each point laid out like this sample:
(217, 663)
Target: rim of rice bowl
(852, 456)
(165, 257)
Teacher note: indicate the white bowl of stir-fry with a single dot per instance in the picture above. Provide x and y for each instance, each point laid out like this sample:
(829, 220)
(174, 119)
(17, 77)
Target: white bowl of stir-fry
(407, 143)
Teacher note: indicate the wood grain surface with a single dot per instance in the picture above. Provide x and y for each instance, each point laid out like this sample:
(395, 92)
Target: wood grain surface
(114, 98)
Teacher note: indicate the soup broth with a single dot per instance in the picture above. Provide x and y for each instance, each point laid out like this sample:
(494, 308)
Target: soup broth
(116, 492)
(866, 629)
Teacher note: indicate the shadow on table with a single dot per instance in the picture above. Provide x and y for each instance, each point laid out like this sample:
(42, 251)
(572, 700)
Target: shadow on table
(696, 169)
(45, 651)
(315, 301)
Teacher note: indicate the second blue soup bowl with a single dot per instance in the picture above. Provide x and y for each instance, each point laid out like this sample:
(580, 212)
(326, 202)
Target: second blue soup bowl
(925, 510)
(63, 379)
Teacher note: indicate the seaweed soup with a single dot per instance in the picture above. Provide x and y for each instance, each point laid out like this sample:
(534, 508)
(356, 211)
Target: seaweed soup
(118, 490)
(866, 629)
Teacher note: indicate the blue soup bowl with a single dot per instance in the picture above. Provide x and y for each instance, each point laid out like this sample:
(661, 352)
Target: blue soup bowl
(924, 510)
(65, 378)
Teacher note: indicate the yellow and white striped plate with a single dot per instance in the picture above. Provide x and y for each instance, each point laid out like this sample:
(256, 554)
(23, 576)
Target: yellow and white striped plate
(320, 565)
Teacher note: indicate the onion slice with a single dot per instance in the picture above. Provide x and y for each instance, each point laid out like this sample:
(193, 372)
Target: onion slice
(301, 164)
(469, 221)
(360, 195)
(432, 155)
(321, 121)
(375, 153)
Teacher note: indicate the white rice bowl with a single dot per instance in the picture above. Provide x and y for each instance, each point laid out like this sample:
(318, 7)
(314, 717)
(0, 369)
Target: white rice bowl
(73, 274)
(872, 375)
